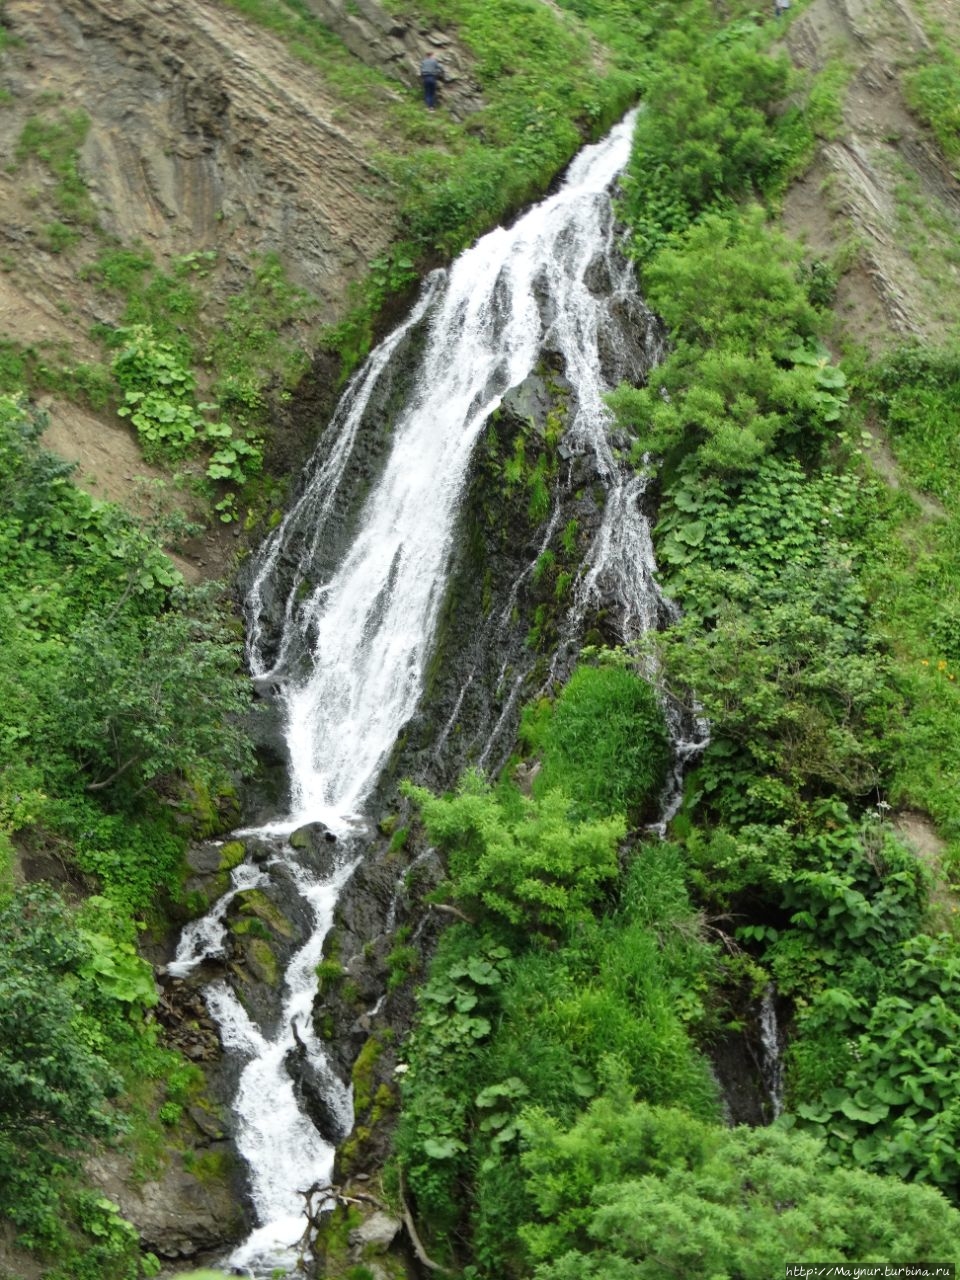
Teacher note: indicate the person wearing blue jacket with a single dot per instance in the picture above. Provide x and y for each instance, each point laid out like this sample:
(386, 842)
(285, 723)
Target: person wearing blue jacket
(431, 72)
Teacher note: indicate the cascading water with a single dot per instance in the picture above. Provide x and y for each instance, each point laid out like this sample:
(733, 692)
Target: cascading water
(369, 627)
(772, 1059)
(347, 665)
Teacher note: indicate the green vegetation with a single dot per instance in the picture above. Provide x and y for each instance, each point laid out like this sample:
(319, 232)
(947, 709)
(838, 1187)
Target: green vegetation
(56, 144)
(120, 692)
(564, 953)
(911, 574)
(529, 866)
(933, 92)
(712, 129)
(49, 368)
(818, 635)
(559, 1115)
(167, 332)
(746, 372)
(603, 742)
(643, 1193)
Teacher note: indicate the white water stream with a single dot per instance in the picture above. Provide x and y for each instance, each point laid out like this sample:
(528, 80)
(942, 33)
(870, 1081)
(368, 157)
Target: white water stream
(370, 626)
(772, 1054)
(368, 629)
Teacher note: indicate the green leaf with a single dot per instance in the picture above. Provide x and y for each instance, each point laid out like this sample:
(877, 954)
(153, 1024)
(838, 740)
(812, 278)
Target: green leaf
(693, 533)
(869, 1115)
(442, 1148)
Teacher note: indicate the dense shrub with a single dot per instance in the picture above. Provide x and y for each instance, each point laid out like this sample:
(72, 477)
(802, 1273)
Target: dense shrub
(711, 131)
(640, 1193)
(528, 865)
(602, 742)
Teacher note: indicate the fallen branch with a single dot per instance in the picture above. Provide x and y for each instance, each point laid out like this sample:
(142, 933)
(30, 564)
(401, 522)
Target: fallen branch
(415, 1240)
(453, 911)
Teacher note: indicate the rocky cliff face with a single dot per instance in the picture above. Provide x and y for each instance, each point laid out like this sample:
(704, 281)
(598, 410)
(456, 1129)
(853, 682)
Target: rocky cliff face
(208, 132)
(205, 132)
(880, 195)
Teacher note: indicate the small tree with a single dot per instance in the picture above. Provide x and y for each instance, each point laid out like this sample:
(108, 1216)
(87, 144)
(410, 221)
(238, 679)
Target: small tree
(53, 1086)
(531, 866)
(634, 1192)
(146, 698)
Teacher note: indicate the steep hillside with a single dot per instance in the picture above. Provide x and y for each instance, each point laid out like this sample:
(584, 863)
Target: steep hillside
(208, 138)
(192, 131)
(881, 196)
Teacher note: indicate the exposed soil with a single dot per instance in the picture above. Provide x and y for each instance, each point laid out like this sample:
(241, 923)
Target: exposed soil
(205, 132)
(918, 834)
(880, 198)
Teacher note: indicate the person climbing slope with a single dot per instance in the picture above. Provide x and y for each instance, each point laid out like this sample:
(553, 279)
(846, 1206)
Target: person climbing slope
(431, 72)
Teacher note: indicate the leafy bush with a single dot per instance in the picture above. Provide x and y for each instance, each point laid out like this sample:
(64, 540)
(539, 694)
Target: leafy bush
(744, 374)
(53, 1089)
(75, 552)
(503, 1027)
(917, 390)
(711, 131)
(776, 520)
(897, 1109)
(529, 866)
(603, 742)
(456, 1006)
(635, 984)
(775, 644)
(913, 569)
(158, 394)
(641, 1193)
(120, 676)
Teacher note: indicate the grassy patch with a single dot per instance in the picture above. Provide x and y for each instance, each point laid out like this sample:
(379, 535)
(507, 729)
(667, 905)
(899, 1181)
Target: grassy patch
(933, 92)
(56, 144)
(916, 391)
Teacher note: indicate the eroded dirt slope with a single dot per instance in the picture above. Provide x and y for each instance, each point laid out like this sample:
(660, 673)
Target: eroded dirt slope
(205, 132)
(880, 195)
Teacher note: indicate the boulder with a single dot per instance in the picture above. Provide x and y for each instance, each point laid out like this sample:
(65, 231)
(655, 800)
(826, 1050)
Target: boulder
(374, 1235)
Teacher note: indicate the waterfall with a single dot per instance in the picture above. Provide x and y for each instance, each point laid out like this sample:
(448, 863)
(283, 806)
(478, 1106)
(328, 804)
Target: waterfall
(772, 1058)
(347, 664)
(368, 628)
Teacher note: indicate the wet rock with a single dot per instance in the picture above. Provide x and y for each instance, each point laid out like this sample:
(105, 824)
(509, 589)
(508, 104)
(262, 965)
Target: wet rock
(184, 1211)
(374, 1235)
(316, 1090)
(187, 1024)
(530, 401)
(320, 843)
(211, 863)
(204, 859)
(260, 850)
(208, 1122)
(261, 961)
(266, 926)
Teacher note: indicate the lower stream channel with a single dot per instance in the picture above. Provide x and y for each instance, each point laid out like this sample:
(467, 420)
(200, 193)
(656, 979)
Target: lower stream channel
(341, 629)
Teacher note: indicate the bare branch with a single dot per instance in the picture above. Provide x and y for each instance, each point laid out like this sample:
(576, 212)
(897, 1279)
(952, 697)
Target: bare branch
(453, 911)
(98, 786)
(415, 1240)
